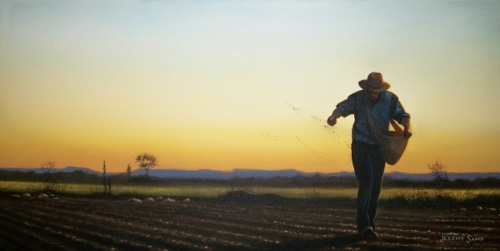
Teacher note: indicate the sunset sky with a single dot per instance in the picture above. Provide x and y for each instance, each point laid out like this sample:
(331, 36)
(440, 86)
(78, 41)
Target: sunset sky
(243, 84)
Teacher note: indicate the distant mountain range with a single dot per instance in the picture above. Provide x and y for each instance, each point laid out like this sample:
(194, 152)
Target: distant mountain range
(249, 173)
(67, 169)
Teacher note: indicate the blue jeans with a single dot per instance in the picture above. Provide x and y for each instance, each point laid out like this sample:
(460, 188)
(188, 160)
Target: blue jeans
(369, 167)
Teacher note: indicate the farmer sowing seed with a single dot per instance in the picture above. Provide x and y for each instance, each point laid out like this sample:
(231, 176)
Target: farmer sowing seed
(373, 108)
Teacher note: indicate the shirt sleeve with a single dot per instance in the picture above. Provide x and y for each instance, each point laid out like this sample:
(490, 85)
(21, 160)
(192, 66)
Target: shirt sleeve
(348, 106)
(398, 111)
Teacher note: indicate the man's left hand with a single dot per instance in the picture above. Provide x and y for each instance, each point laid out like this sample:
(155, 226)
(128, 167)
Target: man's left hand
(406, 125)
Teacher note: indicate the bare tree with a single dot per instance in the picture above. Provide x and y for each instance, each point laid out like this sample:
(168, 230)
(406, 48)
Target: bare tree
(104, 177)
(439, 174)
(51, 180)
(49, 164)
(146, 161)
(129, 172)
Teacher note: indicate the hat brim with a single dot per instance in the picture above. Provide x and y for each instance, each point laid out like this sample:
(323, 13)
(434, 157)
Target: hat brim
(364, 84)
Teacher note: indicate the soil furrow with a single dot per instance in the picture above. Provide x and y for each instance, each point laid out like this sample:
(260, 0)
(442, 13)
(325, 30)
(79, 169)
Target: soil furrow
(80, 223)
(43, 237)
(88, 224)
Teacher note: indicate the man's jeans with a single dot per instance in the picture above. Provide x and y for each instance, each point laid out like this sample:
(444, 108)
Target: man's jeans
(369, 167)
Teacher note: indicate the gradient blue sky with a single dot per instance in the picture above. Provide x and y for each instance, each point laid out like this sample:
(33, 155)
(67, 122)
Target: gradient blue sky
(243, 84)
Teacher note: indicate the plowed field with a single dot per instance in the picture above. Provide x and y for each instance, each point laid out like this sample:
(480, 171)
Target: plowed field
(75, 223)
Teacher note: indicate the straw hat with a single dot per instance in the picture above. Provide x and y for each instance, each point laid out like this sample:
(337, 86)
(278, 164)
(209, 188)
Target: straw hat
(375, 82)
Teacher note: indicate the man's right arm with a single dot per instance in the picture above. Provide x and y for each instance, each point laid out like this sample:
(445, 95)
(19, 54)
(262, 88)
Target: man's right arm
(332, 120)
(345, 107)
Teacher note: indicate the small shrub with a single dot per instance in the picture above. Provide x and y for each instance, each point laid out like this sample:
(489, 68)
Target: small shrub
(240, 196)
(245, 197)
(486, 200)
(96, 188)
(418, 198)
(52, 184)
(312, 195)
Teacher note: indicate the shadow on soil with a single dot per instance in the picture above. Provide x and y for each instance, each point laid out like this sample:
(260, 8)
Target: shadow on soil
(318, 244)
(340, 241)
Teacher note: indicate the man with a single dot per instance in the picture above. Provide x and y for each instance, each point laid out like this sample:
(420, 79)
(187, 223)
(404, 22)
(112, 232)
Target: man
(367, 158)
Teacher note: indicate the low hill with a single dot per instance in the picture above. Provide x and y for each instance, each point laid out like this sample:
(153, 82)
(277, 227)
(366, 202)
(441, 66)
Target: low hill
(255, 173)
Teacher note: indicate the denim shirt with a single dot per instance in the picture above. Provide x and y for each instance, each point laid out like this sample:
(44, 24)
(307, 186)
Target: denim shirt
(387, 107)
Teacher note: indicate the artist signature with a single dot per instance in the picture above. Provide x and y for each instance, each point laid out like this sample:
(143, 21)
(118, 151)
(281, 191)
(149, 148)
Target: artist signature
(467, 238)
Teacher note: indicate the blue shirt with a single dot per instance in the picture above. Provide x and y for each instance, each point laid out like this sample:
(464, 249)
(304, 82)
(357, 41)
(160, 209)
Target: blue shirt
(386, 107)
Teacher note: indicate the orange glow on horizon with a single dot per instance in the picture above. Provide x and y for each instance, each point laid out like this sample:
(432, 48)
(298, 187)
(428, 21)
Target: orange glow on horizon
(228, 85)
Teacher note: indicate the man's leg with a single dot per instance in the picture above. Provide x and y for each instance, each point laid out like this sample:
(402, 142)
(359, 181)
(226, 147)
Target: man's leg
(378, 166)
(364, 174)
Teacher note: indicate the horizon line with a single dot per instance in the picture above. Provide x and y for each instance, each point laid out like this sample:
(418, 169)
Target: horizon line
(235, 169)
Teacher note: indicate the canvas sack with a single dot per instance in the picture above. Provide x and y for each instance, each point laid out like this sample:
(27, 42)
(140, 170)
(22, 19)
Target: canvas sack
(392, 143)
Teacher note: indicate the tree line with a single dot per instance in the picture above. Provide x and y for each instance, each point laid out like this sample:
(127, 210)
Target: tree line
(81, 177)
